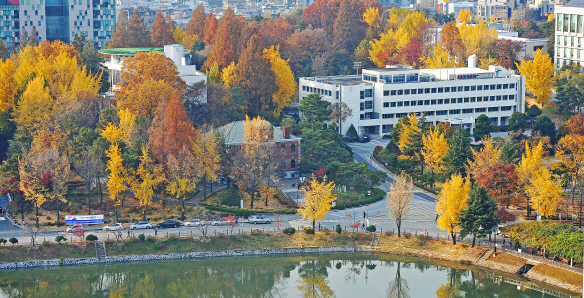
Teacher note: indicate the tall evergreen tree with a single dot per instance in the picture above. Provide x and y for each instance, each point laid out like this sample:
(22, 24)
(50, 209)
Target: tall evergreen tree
(482, 127)
(479, 217)
(459, 151)
(314, 109)
(197, 22)
(346, 28)
(227, 43)
(130, 32)
(211, 25)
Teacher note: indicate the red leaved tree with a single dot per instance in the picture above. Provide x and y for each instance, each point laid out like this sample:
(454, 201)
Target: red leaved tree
(171, 129)
(501, 182)
(227, 42)
(161, 31)
(211, 26)
(197, 22)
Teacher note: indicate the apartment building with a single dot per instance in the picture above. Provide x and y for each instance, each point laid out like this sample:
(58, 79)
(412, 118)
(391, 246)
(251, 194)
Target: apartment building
(379, 97)
(57, 20)
(569, 43)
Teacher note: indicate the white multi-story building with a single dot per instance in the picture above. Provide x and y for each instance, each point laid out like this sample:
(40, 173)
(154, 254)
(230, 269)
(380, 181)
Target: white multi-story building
(569, 43)
(57, 20)
(379, 97)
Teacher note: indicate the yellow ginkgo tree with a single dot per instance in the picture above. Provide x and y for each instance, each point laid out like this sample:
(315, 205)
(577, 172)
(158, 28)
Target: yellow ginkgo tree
(435, 150)
(539, 75)
(285, 81)
(182, 173)
(207, 156)
(544, 192)
(452, 200)
(318, 199)
(148, 176)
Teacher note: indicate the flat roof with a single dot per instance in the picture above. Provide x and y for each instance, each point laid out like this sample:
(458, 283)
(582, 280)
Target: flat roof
(133, 51)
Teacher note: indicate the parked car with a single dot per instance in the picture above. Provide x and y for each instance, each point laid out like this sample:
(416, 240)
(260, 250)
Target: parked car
(74, 228)
(141, 225)
(256, 219)
(364, 139)
(117, 226)
(194, 223)
(169, 224)
(221, 222)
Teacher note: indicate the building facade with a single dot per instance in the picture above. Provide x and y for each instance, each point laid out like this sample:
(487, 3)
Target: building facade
(57, 20)
(569, 43)
(286, 146)
(379, 97)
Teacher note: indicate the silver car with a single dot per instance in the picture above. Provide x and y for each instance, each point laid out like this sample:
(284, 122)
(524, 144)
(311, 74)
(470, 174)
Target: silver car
(194, 223)
(256, 219)
(141, 225)
(117, 226)
(221, 222)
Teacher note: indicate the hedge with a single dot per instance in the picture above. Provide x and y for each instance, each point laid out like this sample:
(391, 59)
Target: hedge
(379, 195)
(239, 212)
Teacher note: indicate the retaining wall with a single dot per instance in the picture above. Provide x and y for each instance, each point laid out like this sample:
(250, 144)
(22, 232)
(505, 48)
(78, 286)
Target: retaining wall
(175, 256)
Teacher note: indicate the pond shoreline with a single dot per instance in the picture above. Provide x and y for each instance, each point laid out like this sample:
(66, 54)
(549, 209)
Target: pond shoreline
(433, 250)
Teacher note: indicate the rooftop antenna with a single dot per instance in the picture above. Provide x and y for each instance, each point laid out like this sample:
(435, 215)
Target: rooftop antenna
(357, 66)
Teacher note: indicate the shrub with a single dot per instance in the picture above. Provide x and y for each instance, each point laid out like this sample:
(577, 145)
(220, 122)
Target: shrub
(74, 212)
(141, 237)
(171, 237)
(4, 241)
(407, 235)
(48, 217)
(151, 239)
(389, 233)
(31, 217)
(13, 241)
(179, 208)
(371, 228)
(340, 206)
(66, 209)
(61, 261)
(1, 240)
(91, 237)
(338, 229)
(45, 243)
(230, 197)
(309, 230)
(326, 231)
(85, 209)
(289, 231)
(189, 208)
(239, 212)
(60, 238)
(79, 206)
(126, 214)
(256, 232)
(362, 202)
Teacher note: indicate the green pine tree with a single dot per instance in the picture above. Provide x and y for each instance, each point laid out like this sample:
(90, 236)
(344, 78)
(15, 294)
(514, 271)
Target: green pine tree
(352, 132)
(482, 127)
(459, 151)
(479, 217)
(314, 109)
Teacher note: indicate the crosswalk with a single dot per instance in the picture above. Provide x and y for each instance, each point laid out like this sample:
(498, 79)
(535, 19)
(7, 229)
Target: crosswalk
(417, 212)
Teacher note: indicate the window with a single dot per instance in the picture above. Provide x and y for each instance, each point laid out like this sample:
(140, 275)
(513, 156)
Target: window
(386, 104)
(479, 99)
(459, 100)
(447, 100)
(511, 97)
(454, 112)
(440, 90)
(459, 88)
(386, 128)
(427, 90)
(486, 87)
(412, 78)
(368, 92)
(282, 164)
(439, 113)
(467, 111)
(480, 110)
(292, 164)
(400, 103)
(400, 115)
(433, 102)
(393, 92)
(493, 109)
(399, 78)
(303, 88)
(387, 116)
(492, 98)
(446, 89)
(392, 104)
(420, 102)
(473, 88)
(362, 94)
(292, 148)
(498, 97)
(505, 97)
(473, 99)
(466, 88)
(426, 102)
(429, 113)
(434, 90)
(493, 87)
(400, 92)
(480, 88)
(505, 108)
(466, 99)
(413, 91)
(440, 101)
(361, 106)
(499, 86)
(407, 92)
(362, 116)
(505, 86)
(420, 91)
(414, 103)
(559, 18)
(369, 104)
(511, 86)
(406, 103)
(386, 93)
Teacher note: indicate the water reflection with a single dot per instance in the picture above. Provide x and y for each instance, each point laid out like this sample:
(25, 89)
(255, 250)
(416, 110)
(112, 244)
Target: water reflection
(339, 275)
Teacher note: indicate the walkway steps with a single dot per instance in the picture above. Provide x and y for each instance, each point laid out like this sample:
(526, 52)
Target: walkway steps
(375, 240)
(100, 250)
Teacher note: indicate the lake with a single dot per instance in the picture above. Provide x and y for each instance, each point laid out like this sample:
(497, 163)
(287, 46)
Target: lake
(330, 275)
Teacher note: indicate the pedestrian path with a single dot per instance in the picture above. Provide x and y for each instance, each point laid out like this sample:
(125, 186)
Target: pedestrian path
(417, 212)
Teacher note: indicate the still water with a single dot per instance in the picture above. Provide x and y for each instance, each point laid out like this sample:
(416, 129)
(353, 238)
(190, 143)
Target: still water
(333, 275)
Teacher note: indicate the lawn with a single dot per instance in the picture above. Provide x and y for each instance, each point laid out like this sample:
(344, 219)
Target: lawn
(507, 259)
(564, 276)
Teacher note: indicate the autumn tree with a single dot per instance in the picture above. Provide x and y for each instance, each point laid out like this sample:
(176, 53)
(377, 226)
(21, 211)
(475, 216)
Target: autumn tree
(528, 166)
(571, 152)
(500, 181)
(451, 40)
(88, 165)
(255, 77)
(372, 18)
(196, 24)
(410, 140)
(161, 31)
(182, 174)
(148, 176)
(117, 173)
(314, 109)
(435, 150)
(207, 156)
(485, 158)
(476, 38)
(478, 218)
(340, 111)
(210, 29)
(440, 58)
(171, 129)
(227, 44)
(399, 199)
(130, 33)
(507, 50)
(144, 98)
(452, 200)
(575, 125)
(318, 199)
(285, 81)
(347, 27)
(252, 164)
(544, 192)
(539, 75)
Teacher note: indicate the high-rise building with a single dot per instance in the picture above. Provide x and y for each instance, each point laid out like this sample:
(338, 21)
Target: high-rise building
(57, 20)
(569, 43)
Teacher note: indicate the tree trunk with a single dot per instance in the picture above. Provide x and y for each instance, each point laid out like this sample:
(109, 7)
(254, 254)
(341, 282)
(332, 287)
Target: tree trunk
(182, 213)
(473, 240)
(88, 197)
(37, 215)
(58, 221)
(453, 238)
(116, 214)
(398, 222)
(100, 190)
(163, 199)
(144, 213)
(204, 188)
(252, 194)
(313, 224)
(22, 207)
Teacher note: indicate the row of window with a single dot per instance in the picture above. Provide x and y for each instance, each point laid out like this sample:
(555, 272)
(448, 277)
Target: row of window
(451, 112)
(569, 23)
(448, 89)
(292, 148)
(317, 90)
(283, 164)
(428, 102)
(392, 79)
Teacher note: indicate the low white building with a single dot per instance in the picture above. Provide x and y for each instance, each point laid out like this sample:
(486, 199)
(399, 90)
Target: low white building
(379, 97)
(530, 45)
(175, 52)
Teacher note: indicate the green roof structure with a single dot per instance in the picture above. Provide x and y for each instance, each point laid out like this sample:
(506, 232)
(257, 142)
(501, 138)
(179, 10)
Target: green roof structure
(134, 51)
(233, 132)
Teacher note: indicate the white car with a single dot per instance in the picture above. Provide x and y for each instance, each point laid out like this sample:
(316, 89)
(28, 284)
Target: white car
(194, 223)
(256, 219)
(74, 228)
(141, 225)
(221, 222)
(116, 227)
